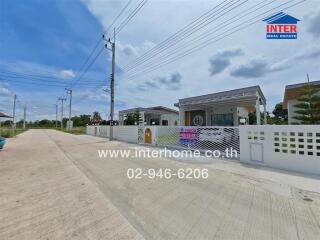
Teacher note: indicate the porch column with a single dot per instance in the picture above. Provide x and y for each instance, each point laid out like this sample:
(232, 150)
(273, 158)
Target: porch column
(181, 116)
(258, 110)
(265, 114)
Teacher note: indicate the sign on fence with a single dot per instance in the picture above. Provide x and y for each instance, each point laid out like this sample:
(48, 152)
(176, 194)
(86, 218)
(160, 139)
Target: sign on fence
(188, 136)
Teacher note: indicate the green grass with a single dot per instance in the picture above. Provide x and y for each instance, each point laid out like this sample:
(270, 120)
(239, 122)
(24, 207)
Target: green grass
(168, 139)
(8, 133)
(75, 130)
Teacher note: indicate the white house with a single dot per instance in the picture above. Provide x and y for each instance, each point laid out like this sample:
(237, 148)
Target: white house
(228, 108)
(158, 115)
(291, 96)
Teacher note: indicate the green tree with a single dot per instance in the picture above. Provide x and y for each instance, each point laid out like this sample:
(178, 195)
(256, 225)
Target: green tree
(133, 118)
(308, 106)
(280, 114)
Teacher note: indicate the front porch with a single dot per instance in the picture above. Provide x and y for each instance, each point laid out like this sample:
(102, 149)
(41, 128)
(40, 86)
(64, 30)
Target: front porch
(230, 108)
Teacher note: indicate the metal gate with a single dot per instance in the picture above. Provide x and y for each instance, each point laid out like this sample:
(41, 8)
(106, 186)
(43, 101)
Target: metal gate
(223, 140)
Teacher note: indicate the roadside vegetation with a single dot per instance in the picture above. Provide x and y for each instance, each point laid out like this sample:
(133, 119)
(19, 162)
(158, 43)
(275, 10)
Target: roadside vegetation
(9, 133)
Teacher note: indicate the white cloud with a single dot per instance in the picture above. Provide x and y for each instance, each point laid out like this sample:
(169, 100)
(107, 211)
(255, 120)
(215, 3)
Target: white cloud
(279, 62)
(4, 91)
(67, 74)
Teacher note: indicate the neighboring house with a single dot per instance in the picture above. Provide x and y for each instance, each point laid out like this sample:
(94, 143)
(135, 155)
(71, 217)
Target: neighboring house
(291, 96)
(158, 115)
(229, 108)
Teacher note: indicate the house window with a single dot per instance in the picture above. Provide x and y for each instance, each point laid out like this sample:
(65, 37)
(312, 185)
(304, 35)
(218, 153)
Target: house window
(222, 119)
(165, 123)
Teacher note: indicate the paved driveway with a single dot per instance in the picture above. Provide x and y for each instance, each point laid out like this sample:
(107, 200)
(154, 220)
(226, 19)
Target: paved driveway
(44, 196)
(227, 205)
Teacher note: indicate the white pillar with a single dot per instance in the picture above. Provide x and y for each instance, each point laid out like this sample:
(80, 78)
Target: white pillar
(265, 114)
(258, 110)
(181, 116)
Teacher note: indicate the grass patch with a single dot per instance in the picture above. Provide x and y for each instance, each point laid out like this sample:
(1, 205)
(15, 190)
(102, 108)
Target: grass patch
(8, 133)
(75, 130)
(168, 139)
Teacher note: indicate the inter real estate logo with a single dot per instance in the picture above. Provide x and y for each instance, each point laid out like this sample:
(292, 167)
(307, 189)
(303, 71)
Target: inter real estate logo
(281, 26)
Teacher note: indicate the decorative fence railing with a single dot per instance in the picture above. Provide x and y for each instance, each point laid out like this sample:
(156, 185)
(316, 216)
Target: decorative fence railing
(288, 147)
(223, 140)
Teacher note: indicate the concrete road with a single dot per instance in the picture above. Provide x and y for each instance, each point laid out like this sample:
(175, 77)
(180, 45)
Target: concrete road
(44, 196)
(227, 205)
(230, 204)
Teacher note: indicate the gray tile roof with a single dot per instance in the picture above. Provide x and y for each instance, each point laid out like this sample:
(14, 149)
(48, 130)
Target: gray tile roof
(231, 94)
(156, 109)
(299, 85)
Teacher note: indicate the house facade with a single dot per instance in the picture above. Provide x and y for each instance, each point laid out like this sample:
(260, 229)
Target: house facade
(158, 115)
(228, 108)
(291, 96)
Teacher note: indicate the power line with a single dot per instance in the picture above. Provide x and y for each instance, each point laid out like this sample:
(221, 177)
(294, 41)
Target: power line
(99, 40)
(211, 40)
(182, 32)
(192, 41)
(127, 20)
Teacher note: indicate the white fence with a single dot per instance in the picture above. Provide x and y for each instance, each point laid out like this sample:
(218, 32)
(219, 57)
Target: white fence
(220, 139)
(121, 133)
(288, 147)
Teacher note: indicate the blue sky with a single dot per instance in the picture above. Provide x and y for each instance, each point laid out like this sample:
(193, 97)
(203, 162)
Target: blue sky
(53, 38)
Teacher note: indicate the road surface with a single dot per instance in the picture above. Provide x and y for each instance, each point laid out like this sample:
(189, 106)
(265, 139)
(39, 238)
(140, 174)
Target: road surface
(227, 205)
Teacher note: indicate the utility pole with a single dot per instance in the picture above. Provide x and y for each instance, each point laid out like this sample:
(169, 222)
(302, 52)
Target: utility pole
(24, 116)
(62, 99)
(69, 91)
(308, 78)
(113, 50)
(14, 113)
(56, 115)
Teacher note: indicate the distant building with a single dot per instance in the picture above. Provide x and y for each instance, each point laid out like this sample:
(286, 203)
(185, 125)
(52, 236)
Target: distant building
(291, 96)
(228, 108)
(158, 115)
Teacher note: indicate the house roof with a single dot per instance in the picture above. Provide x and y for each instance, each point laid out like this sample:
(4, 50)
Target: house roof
(225, 96)
(291, 92)
(156, 109)
(2, 115)
(281, 18)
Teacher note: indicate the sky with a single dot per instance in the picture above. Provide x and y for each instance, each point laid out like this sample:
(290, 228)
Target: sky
(44, 45)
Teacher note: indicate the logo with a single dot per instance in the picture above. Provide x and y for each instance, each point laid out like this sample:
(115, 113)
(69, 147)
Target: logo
(281, 26)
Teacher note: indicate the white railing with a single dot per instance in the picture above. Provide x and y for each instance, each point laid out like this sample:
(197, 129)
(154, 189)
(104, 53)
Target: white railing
(288, 147)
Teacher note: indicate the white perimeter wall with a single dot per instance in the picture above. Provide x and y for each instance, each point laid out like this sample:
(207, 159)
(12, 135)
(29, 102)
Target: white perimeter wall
(294, 148)
(121, 133)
